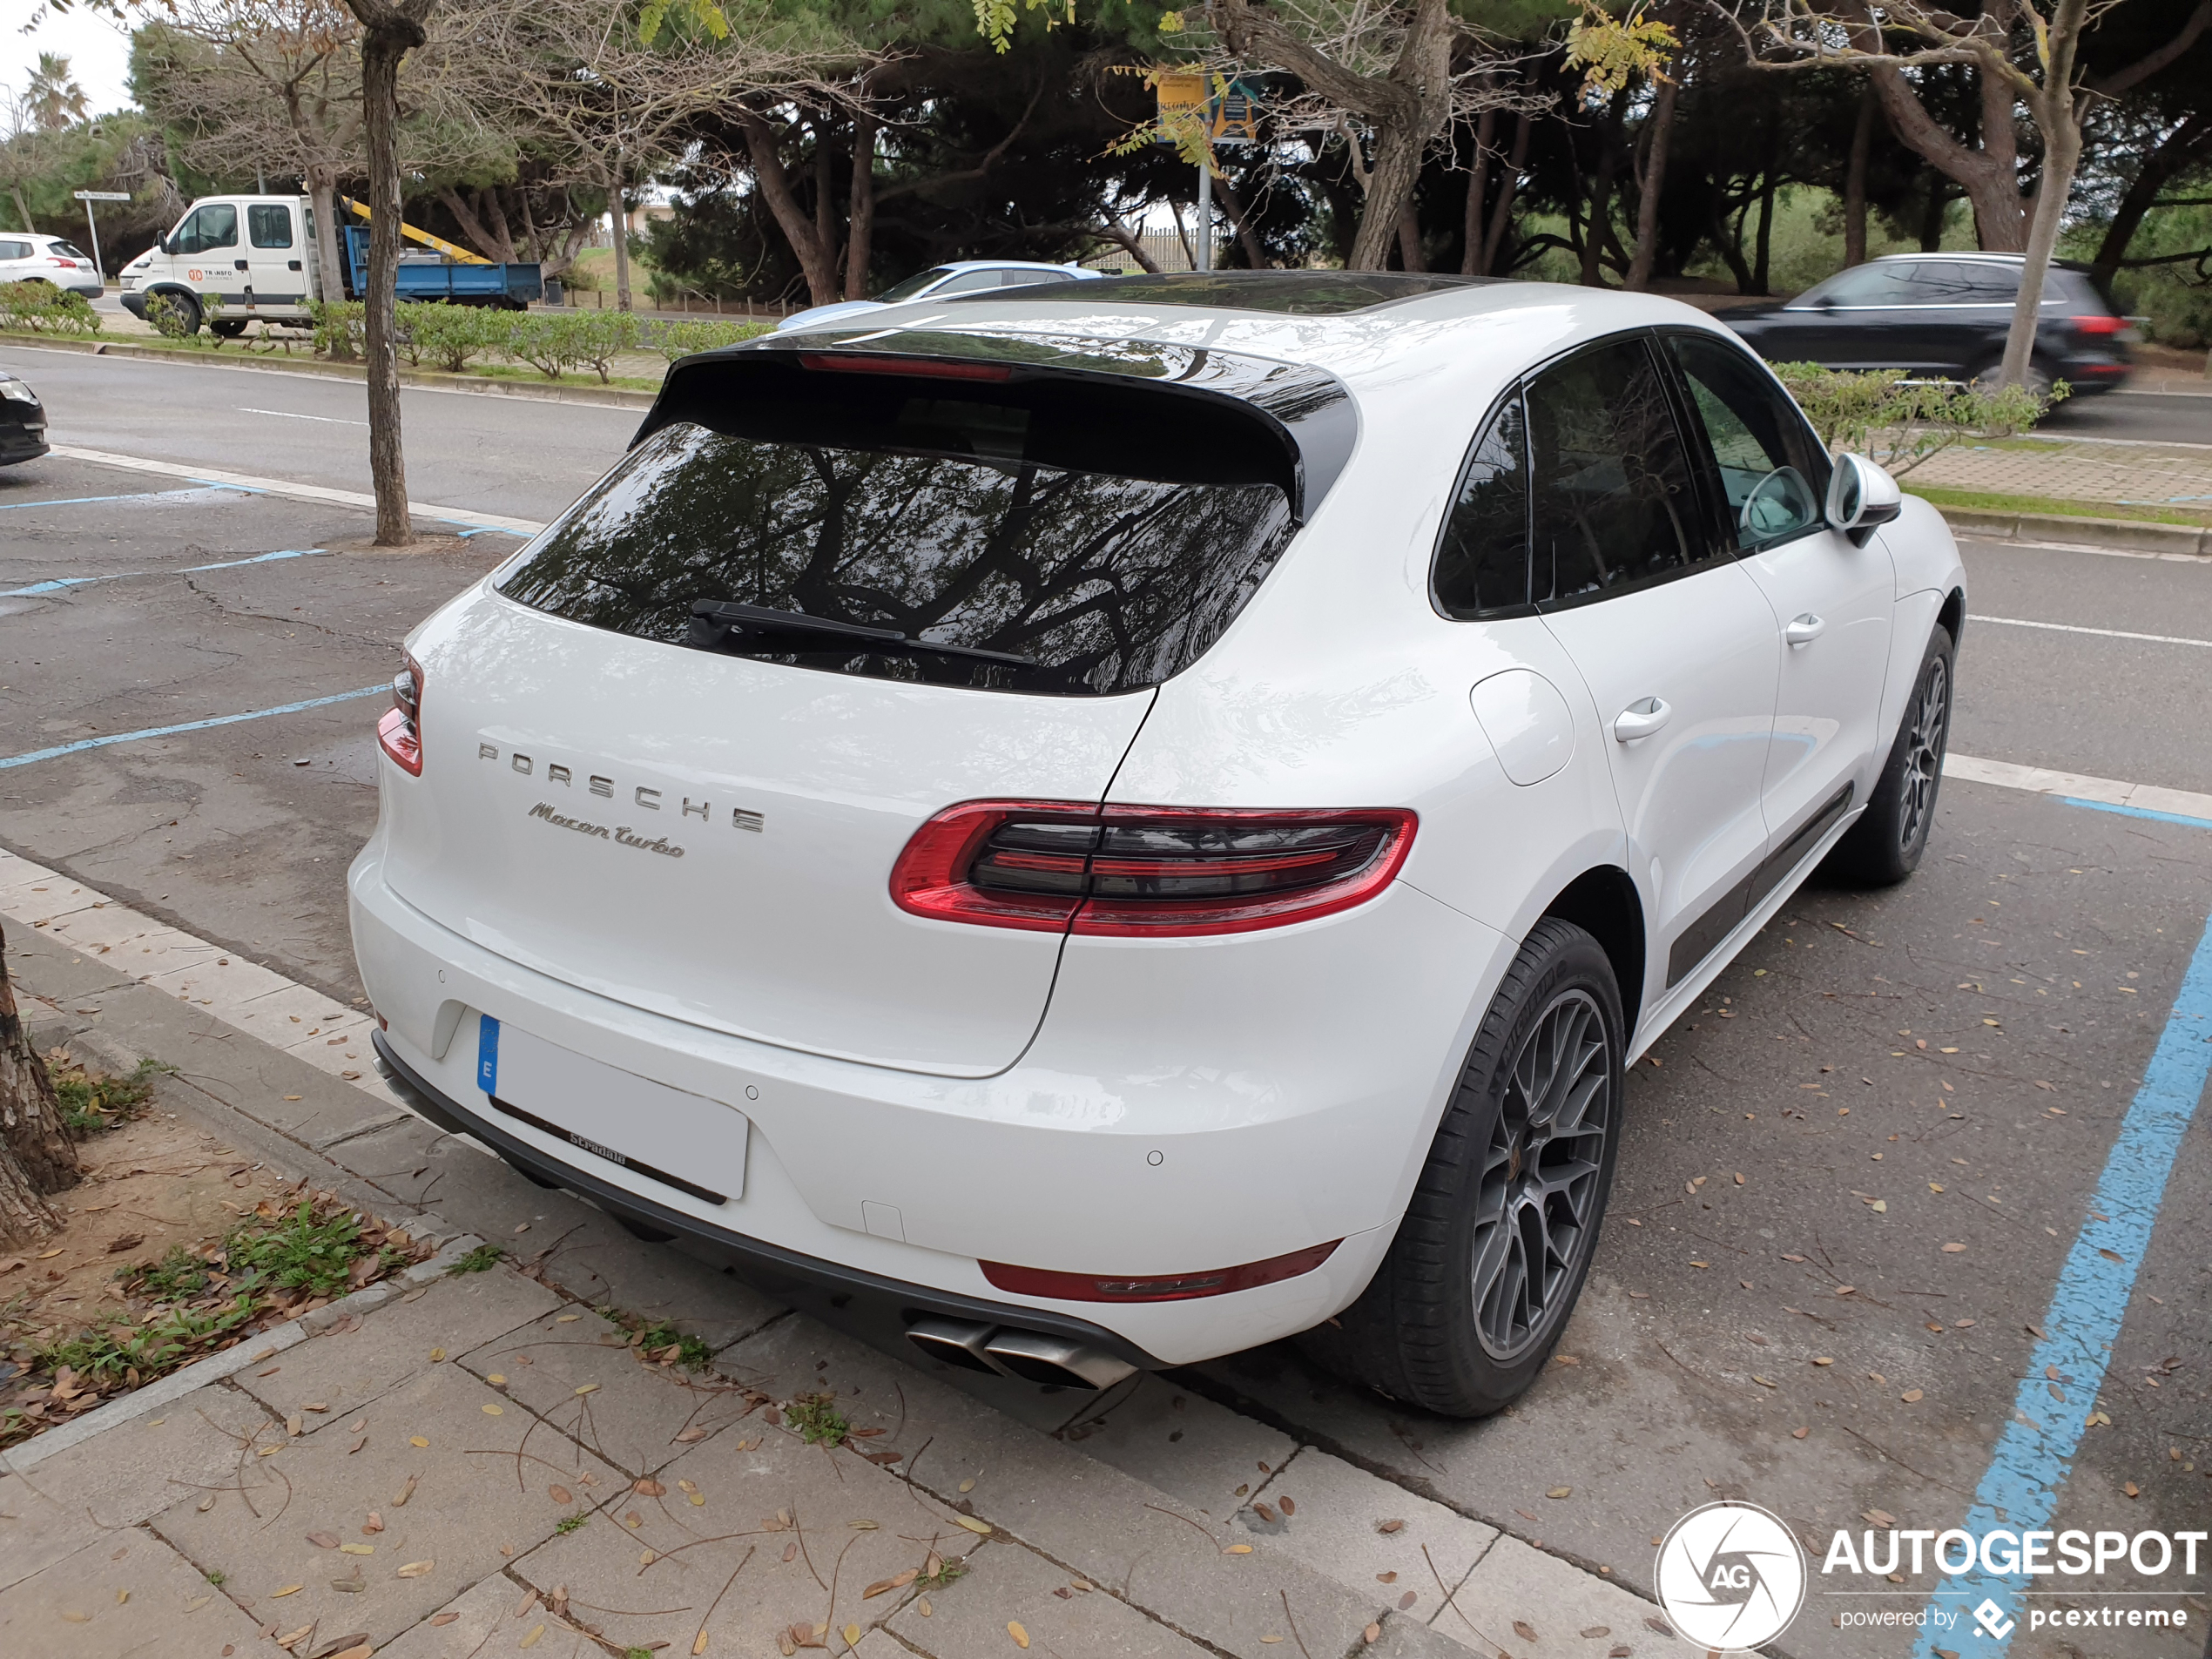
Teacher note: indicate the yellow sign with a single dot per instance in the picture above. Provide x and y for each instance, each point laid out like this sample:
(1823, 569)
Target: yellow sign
(1182, 92)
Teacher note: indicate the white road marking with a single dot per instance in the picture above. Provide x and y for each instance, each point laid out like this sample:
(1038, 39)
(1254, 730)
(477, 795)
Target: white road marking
(289, 414)
(2108, 633)
(2110, 791)
(524, 527)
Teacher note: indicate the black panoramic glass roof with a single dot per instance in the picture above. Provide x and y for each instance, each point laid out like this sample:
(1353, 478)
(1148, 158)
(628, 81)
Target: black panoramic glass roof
(1310, 293)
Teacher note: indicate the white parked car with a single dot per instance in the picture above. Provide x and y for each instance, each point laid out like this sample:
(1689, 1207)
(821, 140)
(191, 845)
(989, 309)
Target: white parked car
(1124, 823)
(34, 257)
(943, 282)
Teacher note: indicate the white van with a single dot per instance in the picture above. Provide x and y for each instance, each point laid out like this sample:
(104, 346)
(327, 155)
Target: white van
(254, 253)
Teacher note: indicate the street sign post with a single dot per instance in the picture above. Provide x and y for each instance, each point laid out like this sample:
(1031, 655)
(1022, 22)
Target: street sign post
(1232, 118)
(88, 196)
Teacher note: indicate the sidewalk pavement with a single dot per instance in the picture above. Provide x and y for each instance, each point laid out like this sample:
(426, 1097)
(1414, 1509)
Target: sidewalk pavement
(2175, 477)
(462, 1464)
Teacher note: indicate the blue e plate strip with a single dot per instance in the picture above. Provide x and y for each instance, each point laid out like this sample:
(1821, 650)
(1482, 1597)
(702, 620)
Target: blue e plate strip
(2035, 1453)
(2140, 812)
(487, 1054)
(189, 726)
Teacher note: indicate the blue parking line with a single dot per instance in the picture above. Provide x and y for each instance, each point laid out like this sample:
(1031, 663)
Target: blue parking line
(189, 725)
(199, 488)
(2035, 1453)
(2140, 812)
(60, 583)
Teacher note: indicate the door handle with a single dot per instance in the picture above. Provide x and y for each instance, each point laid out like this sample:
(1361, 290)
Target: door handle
(291, 264)
(1803, 630)
(240, 263)
(1641, 719)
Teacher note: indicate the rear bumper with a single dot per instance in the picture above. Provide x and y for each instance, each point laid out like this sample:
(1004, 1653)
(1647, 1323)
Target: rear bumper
(1219, 1103)
(833, 1292)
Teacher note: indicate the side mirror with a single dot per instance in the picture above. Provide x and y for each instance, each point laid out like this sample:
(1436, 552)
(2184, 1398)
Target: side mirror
(1860, 496)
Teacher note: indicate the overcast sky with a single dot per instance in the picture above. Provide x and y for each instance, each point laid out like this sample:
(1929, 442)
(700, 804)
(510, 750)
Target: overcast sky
(99, 52)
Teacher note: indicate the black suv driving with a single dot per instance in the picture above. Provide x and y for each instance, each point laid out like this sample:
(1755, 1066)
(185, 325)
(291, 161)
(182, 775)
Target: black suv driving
(1944, 316)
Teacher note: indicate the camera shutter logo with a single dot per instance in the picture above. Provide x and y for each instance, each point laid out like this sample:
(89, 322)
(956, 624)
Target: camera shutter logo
(1731, 1575)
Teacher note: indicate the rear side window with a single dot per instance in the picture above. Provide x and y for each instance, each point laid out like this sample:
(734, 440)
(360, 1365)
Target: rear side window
(1613, 500)
(1053, 535)
(1482, 564)
(15, 250)
(1883, 284)
(269, 224)
(1962, 282)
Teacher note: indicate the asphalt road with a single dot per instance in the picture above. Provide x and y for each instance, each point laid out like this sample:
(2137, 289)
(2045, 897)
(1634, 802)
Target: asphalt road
(2036, 955)
(2163, 417)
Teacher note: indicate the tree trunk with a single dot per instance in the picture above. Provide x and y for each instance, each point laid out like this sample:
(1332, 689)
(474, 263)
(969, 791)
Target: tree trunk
(37, 1154)
(816, 263)
(390, 29)
(860, 230)
(1409, 239)
(1254, 250)
(1761, 264)
(618, 216)
(1129, 241)
(1508, 187)
(1654, 181)
(1931, 212)
(1390, 186)
(1862, 147)
(22, 212)
(1609, 163)
(2060, 117)
(322, 186)
(2181, 148)
(1485, 130)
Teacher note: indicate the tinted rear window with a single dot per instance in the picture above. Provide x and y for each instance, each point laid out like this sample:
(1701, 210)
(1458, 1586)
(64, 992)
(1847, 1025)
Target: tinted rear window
(1106, 535)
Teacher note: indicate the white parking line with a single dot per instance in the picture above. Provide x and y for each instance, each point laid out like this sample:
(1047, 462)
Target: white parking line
(524, 527)
(292, 415)
(2108, 791)
(2108, 633)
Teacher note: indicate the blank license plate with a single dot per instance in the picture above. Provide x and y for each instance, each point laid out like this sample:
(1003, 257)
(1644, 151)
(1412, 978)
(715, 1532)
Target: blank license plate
(631, 1122)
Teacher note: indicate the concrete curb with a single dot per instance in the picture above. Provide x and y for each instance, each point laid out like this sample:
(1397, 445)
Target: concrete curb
(251, 1350)
(2124, 535)
(603, 396)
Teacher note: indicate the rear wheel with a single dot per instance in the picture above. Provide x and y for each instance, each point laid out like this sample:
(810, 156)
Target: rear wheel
(1886, 844)
(1495, 1244)
(2037, 379)
(227, 330)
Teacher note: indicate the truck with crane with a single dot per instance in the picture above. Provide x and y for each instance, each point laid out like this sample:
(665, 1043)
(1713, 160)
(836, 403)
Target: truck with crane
(231, 260)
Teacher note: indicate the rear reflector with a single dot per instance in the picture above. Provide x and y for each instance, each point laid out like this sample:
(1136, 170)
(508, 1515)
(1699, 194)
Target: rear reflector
(927, 368)
(1145, 871)
(2100, 325)
(1163, 1287)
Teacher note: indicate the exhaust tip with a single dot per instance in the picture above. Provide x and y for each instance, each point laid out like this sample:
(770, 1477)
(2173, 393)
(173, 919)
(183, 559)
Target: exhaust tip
(954, 1343)
(1054, 1361)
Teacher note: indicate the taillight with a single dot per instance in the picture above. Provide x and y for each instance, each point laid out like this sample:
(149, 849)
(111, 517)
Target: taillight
(1159, 1288)
(1145, 871)
(400, 730)
(2095, 325)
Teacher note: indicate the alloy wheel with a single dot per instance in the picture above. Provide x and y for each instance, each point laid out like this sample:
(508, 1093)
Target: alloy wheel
(1924, 754)
(1538, 1191)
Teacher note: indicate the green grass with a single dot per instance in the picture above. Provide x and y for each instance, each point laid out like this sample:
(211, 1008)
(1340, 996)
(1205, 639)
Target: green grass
(568, 1524)
(110, 1352)
(92, 1104)
(1981, 502)
(481, 1260)
(178, 1273)
(303, 1252)
(817, 1419)
(690, 1353)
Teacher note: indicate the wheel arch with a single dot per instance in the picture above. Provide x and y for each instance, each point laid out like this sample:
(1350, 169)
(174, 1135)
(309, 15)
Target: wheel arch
(1602, 902)
(1952, 617)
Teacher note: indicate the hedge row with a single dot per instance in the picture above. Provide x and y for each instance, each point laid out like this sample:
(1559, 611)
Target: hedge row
(554, 342)
(41, 308)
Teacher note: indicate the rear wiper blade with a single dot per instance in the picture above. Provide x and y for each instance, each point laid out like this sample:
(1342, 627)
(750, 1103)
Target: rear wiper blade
(714, 620)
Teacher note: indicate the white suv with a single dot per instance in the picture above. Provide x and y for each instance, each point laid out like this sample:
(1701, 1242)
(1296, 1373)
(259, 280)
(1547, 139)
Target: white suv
(1105, 825)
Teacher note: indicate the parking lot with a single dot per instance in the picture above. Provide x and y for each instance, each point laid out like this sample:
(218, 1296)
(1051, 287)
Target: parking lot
(1859, 1184)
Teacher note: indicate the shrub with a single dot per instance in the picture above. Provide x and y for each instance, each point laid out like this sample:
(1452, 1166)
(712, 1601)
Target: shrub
(674, 339)
(547, 340)
(600, 335)
(446, 336)
(1898, 422)
(40, 308)
(338, 327)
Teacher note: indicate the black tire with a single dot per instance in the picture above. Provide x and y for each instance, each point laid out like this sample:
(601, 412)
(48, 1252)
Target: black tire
(1886, 844)
(227, 330)
(1453, 1321)
(2040, 376)
(188, 308)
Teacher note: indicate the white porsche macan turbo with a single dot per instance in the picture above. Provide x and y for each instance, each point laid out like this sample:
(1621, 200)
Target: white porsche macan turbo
(1105, 825)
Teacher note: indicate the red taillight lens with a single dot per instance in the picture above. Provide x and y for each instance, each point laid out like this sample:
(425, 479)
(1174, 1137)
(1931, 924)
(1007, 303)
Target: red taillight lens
(399, 731)
(1159, 1288)
(2100, 325)
(1145, 871)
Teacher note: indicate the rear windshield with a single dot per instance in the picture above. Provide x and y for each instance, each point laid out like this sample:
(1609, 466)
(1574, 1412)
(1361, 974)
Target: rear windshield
(1051, 535)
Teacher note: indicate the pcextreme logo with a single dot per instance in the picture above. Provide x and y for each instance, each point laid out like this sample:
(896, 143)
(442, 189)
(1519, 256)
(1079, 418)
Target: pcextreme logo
(1731, 1575)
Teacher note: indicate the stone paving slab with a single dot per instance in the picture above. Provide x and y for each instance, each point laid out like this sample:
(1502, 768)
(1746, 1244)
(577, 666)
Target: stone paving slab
(1221, 1587)
(1338, 1527)
(473, 1501)
(345, 1370)
(127, 1595)
(118, 1478)
(1181, 1442)
(723, 1557)
(1059, 1612)
(480, 1614)
(633, 1413)
(1561, 1603)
